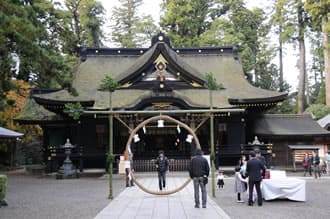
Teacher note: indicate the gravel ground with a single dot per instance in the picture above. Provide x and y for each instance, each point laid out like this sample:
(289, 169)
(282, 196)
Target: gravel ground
(34, 197)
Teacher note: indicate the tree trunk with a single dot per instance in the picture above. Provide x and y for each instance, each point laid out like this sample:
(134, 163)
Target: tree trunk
(302, 61)
(326, 52)
(308, 99)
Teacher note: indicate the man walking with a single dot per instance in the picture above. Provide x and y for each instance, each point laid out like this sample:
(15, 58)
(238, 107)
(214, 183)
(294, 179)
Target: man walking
(162, 167)
(199, 172)
(254, 170)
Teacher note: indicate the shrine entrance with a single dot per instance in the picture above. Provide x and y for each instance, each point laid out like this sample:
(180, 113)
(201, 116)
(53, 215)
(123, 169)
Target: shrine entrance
(161, 119)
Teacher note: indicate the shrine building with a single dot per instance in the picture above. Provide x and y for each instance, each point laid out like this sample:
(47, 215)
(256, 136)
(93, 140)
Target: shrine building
(166, 79)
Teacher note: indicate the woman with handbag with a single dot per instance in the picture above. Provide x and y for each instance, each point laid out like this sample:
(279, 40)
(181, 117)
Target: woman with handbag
(305, 164)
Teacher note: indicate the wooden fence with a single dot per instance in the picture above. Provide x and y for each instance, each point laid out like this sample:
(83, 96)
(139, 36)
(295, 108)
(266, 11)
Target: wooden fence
(150, 165)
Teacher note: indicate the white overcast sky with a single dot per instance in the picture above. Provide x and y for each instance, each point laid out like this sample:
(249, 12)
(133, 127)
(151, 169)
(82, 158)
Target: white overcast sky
(291, 72)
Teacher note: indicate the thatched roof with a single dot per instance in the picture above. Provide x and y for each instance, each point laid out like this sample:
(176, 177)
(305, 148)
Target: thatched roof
(35, 113)
(123, 64)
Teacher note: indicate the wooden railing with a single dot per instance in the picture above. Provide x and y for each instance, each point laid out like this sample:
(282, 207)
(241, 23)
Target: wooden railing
(150, 166)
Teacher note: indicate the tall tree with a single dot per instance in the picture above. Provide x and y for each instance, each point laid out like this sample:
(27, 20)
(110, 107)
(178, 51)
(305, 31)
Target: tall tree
(301, 22)
(87, 18)
(293, 31)
(38, 40)
(186, 20)
(284, 28)
(31, 30)
(316, 67)
(129, 28)
(234, 24)
(319, 10)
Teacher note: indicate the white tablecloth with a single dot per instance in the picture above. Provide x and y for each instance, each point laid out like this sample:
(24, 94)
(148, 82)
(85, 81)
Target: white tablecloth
(290, 188)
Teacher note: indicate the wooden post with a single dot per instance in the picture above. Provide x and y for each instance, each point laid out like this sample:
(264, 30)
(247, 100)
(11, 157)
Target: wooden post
(294, 160)
(212, 145)
(110, 155)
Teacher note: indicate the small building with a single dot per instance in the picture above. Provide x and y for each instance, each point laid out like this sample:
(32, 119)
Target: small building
(162, 78)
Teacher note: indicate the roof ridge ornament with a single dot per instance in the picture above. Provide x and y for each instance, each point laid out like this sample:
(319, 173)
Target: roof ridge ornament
(160, 37)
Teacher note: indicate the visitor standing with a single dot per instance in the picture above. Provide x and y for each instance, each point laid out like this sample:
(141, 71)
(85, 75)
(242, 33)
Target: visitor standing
(199, 172)
(240, 187)
(242, 160)
(327, 162)
(220, 179)
(162, 168)
(254, 170)
(310, 164)
(243, 172)
(316, 164)
(305, 164)
(128, 164)
(260, 157)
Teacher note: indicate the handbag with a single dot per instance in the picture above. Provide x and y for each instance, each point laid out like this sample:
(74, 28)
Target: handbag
(305, 164)
(205, 180)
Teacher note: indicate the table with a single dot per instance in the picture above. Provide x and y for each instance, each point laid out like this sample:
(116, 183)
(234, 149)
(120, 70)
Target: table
(290, 188)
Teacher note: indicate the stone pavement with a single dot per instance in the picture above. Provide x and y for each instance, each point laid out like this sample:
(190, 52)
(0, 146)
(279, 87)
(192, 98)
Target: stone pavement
(135, 203)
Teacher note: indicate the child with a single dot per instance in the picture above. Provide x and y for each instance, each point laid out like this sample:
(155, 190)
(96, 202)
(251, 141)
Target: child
(220, 180)
(239, 184)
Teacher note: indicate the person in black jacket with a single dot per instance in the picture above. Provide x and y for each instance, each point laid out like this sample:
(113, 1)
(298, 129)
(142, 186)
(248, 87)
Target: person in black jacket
(254, 170)
(161, 167)
(199, 172)
(316, 164)
(260, 157)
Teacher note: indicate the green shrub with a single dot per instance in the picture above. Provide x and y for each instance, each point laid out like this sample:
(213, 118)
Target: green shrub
(318, 110)
(3, 186)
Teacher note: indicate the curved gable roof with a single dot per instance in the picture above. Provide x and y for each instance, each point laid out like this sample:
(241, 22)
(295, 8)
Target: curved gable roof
(147, 59)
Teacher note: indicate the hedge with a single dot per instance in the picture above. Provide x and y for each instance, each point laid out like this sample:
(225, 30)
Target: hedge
(3, 186)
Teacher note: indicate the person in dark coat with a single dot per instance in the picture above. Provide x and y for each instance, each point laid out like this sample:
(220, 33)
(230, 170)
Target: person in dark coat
(260, 157)
(254, 170)
(199, 171)
(316, 164)
(162, 168)
(310, 164)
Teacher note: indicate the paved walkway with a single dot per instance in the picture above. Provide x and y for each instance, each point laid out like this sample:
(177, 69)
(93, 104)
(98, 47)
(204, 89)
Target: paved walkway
(134, 203)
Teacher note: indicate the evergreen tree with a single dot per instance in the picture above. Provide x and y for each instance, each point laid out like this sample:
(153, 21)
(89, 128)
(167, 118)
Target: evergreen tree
(30, 32)
(130, 29)
(185, 21)
(319, 11)
(38, 44)
(291, 22)
(316, 67)
(301, 25)
(283, 25)
(87, 18)
(237, 25)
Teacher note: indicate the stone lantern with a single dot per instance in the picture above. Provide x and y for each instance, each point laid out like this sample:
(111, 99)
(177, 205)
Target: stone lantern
(67, 170)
